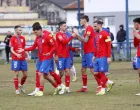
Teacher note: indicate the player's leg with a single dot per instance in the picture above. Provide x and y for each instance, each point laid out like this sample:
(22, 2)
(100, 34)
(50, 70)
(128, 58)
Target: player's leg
(41, 87)
(67, 66)
(90, 65)
(139, 78)
(73, 71)
(57, 78)
(38, 63)
(23, 68)
(60, 66)
(53, 82)
(44, 73)
(22, 81)
(103, 67)
(138, 66)
(15, 67)
(97, 75)
(84, 75)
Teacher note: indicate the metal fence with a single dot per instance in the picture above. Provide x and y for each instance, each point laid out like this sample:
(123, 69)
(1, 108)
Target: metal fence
(75, 42)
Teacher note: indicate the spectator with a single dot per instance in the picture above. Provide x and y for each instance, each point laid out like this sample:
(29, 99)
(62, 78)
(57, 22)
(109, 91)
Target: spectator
(7, 47)
(121, 37)
(112, 39)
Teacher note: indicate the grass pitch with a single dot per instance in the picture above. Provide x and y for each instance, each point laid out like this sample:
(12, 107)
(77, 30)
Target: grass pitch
(122, 96)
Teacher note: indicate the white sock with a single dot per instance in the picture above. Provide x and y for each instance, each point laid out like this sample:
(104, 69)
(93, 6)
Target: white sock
(67, 88)
(36, 89)
(73, 70)
(84, 86)
(62, 85)
(109, 81)
(103, 89)
(56, 71)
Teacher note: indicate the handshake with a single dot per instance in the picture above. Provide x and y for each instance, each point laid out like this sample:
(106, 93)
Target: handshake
(75, 32)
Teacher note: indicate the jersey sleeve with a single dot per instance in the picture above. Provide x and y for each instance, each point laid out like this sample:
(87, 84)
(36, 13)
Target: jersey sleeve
(52, 43)
(12, 42)
(32, 47)
(136, 42)
(51, 40)
(24, 43)
(108, 43)
(63, 40)
(88, 32)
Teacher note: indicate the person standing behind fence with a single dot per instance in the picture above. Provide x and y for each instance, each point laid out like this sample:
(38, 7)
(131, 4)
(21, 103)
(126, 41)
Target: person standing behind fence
(121, 37)
(7, 48)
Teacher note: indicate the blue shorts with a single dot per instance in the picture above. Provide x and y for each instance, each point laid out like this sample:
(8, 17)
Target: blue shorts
(101, 65)
(71, 60)
(18, 65)
(39, 63)
(87, 60)
(63, 63)
(138, 62)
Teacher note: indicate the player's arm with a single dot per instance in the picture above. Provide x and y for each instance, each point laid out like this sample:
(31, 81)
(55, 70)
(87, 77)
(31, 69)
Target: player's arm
(28, 56)
(108, 44)
(81, 38)
(65, 41)
(33, 47)
(12, 48)
(52, 43)
(74, 49)
(136, 42)
(136, 34)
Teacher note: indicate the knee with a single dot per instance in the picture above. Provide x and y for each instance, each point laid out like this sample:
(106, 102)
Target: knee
(91, 70)
(83, 71)
(67, 72)
(16, 75)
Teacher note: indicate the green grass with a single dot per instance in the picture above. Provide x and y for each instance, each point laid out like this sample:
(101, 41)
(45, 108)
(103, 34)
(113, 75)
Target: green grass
(122, 96)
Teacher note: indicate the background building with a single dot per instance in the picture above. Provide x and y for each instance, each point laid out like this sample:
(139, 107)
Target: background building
(112, 12)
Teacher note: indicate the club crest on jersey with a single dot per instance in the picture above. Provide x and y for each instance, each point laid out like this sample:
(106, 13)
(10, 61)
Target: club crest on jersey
(42, 40)
(50, 35)
(21, 40)
(51, 40)
(100, 36)
(88, 32)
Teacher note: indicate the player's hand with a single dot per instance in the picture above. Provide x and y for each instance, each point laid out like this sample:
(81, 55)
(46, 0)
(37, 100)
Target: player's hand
(134, 32)
(109, 60)
(28, 58)
(56, 59)
(73, 34)
(76, 31)
(47, 54)
(77, 49)
(93, 59)
(20, 50)
(18, 55)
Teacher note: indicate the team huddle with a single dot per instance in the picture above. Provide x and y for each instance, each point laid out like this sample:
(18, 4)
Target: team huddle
(97, 57)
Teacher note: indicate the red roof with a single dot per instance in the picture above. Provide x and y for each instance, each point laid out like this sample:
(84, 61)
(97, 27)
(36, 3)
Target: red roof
(74, 5)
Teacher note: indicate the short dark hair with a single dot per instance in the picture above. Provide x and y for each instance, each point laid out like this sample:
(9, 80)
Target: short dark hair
(36, 23)
(85, 17)
(137, 20)
(61, 23)
(36, 26)
(17, 26)
(108, 28)
(98, 22)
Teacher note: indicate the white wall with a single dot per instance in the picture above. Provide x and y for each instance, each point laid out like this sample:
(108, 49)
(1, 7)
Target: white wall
(71, 16)
(93, 6)
(18, 15)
